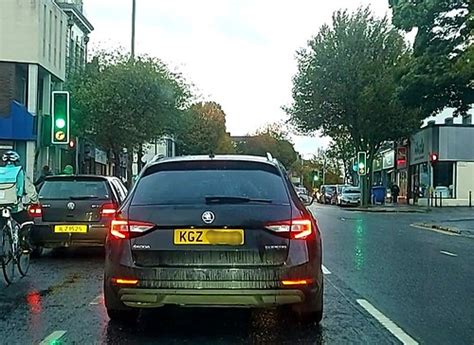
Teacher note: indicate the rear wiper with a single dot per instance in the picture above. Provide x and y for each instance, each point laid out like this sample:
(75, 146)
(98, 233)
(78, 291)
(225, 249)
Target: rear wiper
(83, 197)
(216, 199)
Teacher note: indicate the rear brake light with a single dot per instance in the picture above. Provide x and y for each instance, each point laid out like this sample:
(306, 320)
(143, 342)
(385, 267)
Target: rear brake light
(291, 282)
(108, 210)
(120, 228)
(295, 228)
(35, 211)
(124, 281)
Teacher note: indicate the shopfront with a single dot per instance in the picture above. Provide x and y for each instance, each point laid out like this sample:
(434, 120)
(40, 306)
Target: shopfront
(451, 174)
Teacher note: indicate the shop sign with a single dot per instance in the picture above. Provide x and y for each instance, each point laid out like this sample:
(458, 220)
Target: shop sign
(401, 157)
(388, 159)
(377, 165)
(100, 156)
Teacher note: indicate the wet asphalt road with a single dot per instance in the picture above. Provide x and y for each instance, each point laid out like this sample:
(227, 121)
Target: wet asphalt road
(379, 258)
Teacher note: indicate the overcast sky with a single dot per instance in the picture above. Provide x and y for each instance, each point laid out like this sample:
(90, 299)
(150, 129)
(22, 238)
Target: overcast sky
(239, 53)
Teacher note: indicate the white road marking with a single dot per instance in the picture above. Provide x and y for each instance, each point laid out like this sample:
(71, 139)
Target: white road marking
(449, 233)
(387, 323)
(447, 253)
(96, 300)
(325, 270)
(53, 337)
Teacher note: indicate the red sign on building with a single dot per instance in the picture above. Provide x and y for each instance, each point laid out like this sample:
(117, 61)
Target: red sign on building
(401, 157)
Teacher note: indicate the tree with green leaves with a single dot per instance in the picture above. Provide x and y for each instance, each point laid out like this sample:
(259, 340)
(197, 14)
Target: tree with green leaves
(123, 103)
(272, 138)
(346, 83)
(203, 131)
(441, 72)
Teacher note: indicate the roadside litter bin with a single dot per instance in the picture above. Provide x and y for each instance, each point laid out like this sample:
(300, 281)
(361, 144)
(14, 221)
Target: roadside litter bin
(378, 194)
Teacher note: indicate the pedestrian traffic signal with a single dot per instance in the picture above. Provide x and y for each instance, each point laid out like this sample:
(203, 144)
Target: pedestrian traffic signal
(71, 144)
(361, 163)
(434, 157)
(60, 117)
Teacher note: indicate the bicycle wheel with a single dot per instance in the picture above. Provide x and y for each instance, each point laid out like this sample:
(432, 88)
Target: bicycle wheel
(23, 258)
(8, 258)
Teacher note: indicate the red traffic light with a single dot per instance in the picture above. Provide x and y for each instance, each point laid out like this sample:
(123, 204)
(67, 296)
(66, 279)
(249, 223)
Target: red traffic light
(71, 144)
(434, 157)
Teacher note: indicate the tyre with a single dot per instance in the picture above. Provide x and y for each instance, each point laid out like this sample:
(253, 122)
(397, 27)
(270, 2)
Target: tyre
(24, 252)
(8, 258)
(116, 310)
(37, 252)
(311, 310)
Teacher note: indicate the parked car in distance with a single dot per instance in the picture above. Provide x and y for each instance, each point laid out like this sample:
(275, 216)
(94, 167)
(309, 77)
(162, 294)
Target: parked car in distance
(326, 193)
(339, 188)
(349, 196)
(75, 210)
(213, 231)
(303, 194)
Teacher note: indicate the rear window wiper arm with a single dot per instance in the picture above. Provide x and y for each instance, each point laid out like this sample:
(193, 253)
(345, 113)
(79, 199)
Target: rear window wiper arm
(234, 200)
(83, 197)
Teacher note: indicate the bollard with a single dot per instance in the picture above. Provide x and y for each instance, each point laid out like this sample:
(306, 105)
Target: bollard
(440, 199)
(470, 198)
(436, 199)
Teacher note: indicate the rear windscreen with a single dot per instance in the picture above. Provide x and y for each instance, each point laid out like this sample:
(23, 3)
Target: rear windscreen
(192, 182)
(57, 189)
(351, 190)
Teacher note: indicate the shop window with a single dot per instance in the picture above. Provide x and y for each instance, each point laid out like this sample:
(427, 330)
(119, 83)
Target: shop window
(443, 177)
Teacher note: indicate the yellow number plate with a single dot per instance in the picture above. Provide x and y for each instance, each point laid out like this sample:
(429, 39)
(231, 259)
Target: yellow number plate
(234, 237)
(70, 228)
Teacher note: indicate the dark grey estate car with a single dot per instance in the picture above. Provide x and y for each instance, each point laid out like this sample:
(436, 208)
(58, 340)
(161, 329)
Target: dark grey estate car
(213, 231)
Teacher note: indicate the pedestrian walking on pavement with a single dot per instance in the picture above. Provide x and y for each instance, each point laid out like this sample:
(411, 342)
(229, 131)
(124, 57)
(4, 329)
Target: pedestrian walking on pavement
(395, 192)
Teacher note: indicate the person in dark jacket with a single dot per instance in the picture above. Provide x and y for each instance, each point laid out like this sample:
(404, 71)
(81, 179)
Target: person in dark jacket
(395, 192)
(45, 172)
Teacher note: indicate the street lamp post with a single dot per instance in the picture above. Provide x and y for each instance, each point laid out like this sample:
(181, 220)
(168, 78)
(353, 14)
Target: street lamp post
(133, 28)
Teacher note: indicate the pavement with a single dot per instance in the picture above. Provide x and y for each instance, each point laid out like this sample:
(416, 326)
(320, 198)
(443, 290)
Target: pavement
(386, 282)
(390, 208)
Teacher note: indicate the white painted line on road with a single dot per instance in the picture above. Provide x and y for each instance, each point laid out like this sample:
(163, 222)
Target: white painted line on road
(447, 253)
(434, 229)
(52, 338)
(387, 323)
(325, 270)
(96, 300)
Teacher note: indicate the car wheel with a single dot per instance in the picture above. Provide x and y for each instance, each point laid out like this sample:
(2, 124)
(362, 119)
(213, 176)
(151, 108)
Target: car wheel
(37, 252)
(116, 310)
(311, 311)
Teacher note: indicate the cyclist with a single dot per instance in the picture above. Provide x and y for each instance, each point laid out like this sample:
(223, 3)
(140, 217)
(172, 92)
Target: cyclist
(24, 186)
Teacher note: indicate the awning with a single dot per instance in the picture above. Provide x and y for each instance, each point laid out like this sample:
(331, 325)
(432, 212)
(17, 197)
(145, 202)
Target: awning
(19, 124)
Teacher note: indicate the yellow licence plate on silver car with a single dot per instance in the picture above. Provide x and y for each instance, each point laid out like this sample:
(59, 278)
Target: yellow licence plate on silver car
(233, 237)
(70, 228)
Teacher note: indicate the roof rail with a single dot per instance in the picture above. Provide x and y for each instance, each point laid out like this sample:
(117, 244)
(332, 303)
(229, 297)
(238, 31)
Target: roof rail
(269, 157)
(158, 157)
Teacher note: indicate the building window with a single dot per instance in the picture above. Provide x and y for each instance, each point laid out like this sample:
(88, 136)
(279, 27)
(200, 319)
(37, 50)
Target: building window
(55, 38)
(61, 44)
(44, 30)
(443, 181)
(50, 34)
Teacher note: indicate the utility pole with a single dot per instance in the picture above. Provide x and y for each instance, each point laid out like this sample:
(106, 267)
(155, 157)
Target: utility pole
(133, 28)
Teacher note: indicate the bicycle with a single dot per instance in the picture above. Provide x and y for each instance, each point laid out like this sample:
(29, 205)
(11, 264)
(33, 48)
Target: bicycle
(14, 247)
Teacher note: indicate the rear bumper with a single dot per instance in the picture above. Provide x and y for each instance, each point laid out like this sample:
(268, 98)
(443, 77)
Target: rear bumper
(44, 236)
(152, 298)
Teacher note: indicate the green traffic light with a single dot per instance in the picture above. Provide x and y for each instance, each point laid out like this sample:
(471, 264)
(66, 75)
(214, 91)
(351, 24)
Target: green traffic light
(60, 123)
(361, 165)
